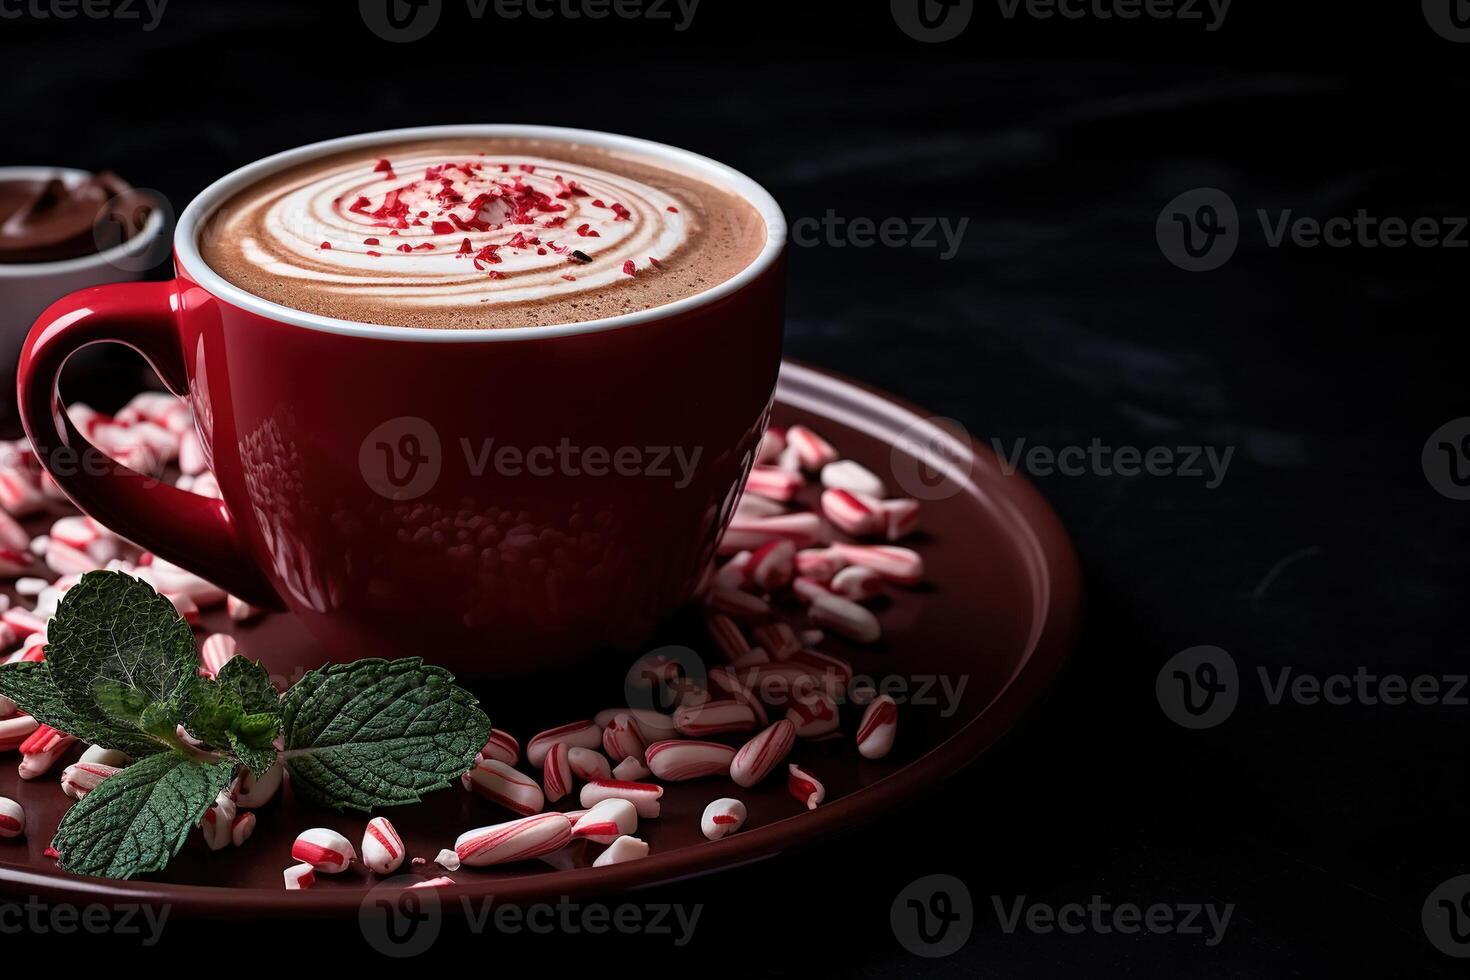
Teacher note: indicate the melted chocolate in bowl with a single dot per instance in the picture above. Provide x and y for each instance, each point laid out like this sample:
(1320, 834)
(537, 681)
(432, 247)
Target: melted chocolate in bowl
(480, 233)
(52, 220)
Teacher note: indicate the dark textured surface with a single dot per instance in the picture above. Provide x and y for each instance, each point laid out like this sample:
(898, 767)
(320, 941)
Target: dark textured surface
(1059, 321)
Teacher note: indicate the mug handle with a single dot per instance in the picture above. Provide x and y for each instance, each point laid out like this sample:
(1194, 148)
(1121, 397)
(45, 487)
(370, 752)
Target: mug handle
(194, 532)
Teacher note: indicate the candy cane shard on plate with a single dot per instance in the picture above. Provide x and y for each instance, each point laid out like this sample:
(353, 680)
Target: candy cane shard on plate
(443, 881)
(772, 566)
(804, 786)
(502, 747)
(903, 566)
(557, 772)
(325, 850)
(813, 451)
(257, 792)
(515, 840)
(722, 817)
(851, 513)
(620, 739)
(651, 725)
(644, 796)
(726, 635)
(772, 444)
(879, 727)
(499, 783)
(622, 850)
(588, 764)
(900, 517)
(241, 611)
(585, 734)
(630, 770)
(217, 650)
(843, 616)
(760, 755)
(382, 847)
(242, 828)
(676, 760)
(12, 818)
(857, 583)
(714, 718)
(741, 605)
(80, 778)
(14, 731)
(846, 474)
(105, 757)
(607, 821)
(773, 482)
(448, 859)
(41, 749)
(299, 877)
(813, 714)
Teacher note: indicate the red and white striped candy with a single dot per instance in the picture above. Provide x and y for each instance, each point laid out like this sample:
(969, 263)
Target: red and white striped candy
(19, 493)
(777, 638)
(731, 575)
(76, 531)
(643, 796)
(714, 718)
(80, 778)
(760, 755)
(813, 451)
(851, 513)
(845, 617)
(808, 591)
(499, 783)
(24, 622)
(585, 734)
(789, 460)
(726, 636)
(857, 583)
(217, 650)
(754, 505)
(588, 764)
(901, 518)
(41, 750)
(722, 817)
(676, 760)
(241, 611)
(845, 474)
(651, 725)
(14, 731)
(187, 608)
(299, 877)
(325, 850)
(741, 605)
(12, 535)
(630, 770)
(556, 774)
(502, 747)
(819, 564)
(191, 453)
(218, 823)
(14, 562)
(773, 443)
(620, 739)
(255, 793)
(901, 565)
(515, 840)
(814, 714)
(622, 850)
(773, 482)
(447, 859)
(878, 728)
(105, 757)
(382, 848)
(607, 821)
(242, 829)
(63, 559)
(443, 881)
(804, 786)
(772, 565)
(12, 818)
(802, 529)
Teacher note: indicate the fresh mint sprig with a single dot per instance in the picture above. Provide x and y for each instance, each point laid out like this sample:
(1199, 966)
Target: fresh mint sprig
(122, 671)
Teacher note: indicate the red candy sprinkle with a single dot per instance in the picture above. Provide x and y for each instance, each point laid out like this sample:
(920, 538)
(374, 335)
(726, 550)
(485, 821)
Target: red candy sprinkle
(585, 232)
(442, 228)
(383, 167)
(326, 245)
(628, 268)
(465, 248)
(671, 209)
(371, 241)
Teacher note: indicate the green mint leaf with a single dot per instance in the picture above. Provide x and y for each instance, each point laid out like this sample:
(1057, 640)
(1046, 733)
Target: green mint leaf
(239, 710)
(113, 632)
(250, 681)
(379, 733)
(256, 758)
(30, 686)
(137, 820)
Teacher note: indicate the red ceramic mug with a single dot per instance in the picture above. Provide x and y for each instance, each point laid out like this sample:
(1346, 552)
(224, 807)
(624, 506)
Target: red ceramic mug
(360, 487)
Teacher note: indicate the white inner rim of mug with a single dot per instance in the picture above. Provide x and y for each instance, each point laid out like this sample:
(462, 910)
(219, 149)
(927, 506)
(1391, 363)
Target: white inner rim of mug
(192, 264)
(32, 270)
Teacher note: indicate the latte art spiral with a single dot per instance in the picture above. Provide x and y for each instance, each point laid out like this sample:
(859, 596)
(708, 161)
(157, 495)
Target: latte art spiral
(433, 234)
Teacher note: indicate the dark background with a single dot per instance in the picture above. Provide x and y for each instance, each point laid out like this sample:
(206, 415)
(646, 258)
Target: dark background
(1060, 320)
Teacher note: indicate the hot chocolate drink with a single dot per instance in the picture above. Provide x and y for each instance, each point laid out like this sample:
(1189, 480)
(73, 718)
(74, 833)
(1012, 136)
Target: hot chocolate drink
(481, 233)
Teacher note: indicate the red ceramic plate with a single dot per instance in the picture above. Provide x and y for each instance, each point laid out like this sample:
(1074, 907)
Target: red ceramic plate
(967, 656)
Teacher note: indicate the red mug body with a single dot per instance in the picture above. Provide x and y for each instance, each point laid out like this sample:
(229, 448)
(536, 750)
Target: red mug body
(502, 502)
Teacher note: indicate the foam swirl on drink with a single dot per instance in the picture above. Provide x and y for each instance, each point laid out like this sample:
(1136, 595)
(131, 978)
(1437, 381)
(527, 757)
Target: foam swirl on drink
(471, 235)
